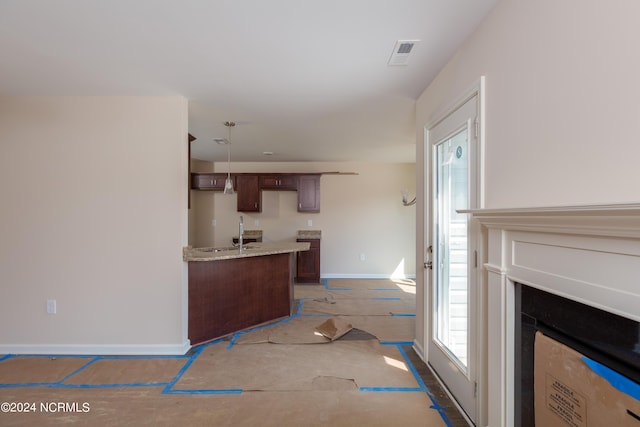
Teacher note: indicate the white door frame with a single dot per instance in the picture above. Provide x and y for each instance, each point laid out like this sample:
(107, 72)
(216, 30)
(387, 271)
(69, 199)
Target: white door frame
(476, 89)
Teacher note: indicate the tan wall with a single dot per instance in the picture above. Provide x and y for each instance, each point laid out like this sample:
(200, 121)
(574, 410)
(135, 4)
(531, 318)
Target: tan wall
(561, 106)
(94, 194)
(201, 210)
(562, 91)
(359, 214)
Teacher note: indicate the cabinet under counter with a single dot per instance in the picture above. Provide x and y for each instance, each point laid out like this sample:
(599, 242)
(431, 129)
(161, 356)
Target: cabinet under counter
(230, 291)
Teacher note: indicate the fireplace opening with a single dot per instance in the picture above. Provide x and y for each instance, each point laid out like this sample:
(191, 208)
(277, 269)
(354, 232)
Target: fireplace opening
(610, 340)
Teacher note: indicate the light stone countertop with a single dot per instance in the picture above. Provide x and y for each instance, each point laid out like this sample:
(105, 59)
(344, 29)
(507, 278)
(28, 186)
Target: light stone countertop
(250, 250)
(309, 234)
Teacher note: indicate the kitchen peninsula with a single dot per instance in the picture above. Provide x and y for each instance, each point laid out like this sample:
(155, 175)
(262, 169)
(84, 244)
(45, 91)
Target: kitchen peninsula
(231, 290)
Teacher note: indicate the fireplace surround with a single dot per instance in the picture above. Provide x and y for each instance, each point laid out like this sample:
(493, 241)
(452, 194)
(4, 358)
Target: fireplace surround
(586, 254)
(608, 339)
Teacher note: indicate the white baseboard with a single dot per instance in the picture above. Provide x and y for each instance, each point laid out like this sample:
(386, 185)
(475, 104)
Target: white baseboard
(364, 276)
(97, 349)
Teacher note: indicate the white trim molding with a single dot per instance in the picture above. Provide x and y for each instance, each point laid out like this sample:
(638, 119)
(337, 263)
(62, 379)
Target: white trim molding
(367, 276)
(588, 253)
(97, 349)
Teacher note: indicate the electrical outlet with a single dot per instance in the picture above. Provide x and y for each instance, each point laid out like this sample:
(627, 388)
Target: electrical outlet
(213, 222)
(256, 223)
(51, 306)
(362, 257)
(309, 223)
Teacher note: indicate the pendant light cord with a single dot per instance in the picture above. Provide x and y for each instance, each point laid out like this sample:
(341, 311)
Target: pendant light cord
(228, 185)
(229, 124)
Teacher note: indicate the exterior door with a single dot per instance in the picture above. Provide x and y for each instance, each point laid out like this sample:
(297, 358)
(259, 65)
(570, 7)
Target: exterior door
(452, 253)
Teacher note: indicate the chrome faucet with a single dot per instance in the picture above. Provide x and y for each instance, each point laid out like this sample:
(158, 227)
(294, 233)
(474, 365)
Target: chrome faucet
(240, 232)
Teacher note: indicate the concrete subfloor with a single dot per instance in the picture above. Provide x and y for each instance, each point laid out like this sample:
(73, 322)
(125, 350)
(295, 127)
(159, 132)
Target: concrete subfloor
(277, 375)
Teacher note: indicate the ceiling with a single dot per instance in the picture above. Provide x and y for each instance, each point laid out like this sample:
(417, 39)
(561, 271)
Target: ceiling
(308, 81)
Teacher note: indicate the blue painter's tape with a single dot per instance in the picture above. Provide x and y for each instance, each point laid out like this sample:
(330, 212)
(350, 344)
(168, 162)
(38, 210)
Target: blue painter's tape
(233, 340)
(120, 385)
(186, 366)
(180, 373)
(618, 381)
(201, 347)
(391, 389)
(398, 343)
(326, 286)
(403, 314)
(412, 369)
(91, 362)
(387, 299)
(228, 391)
(300, 306)
(5, 357)
(441, 410)
(27, 385)
(237, 335)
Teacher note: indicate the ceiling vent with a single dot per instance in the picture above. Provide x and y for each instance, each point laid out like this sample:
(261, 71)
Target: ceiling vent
(402, 51)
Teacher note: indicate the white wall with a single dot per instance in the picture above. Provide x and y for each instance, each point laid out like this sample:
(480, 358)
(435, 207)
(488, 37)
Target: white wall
(359, 214)
(561, 105)
(562, 92)
(94, 196)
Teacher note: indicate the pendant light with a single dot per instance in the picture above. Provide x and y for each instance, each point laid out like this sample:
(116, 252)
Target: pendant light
(228, 184)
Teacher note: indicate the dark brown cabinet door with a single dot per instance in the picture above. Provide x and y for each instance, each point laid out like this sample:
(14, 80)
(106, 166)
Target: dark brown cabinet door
(229, 295)
(249, 194)
(279, 182)
(309, 193)
(308, 263)
(208, 181)
(249, 188)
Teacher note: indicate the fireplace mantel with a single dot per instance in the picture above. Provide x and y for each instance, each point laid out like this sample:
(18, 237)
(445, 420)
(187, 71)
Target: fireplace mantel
(621, 220)
(588, 253)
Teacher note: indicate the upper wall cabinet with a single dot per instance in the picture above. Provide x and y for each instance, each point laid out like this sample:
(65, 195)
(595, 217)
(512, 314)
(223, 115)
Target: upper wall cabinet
(249, 187)
(249, 194)
(208, 181)
(279, 182)
(309, 193)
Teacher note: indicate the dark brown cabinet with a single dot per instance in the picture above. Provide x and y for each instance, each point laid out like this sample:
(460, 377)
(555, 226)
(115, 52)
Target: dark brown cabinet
(208, 181)
(249, 187)
(308, 263)
(249, 194)
(229, 295)
(309, 193)
(279, 182)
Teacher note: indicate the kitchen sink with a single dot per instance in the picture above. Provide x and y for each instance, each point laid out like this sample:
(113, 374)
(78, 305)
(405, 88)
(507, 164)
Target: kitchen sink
(230, 248)
(225, 249)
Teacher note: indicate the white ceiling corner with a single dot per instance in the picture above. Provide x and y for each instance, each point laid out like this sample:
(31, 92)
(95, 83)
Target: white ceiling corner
(308, 81)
